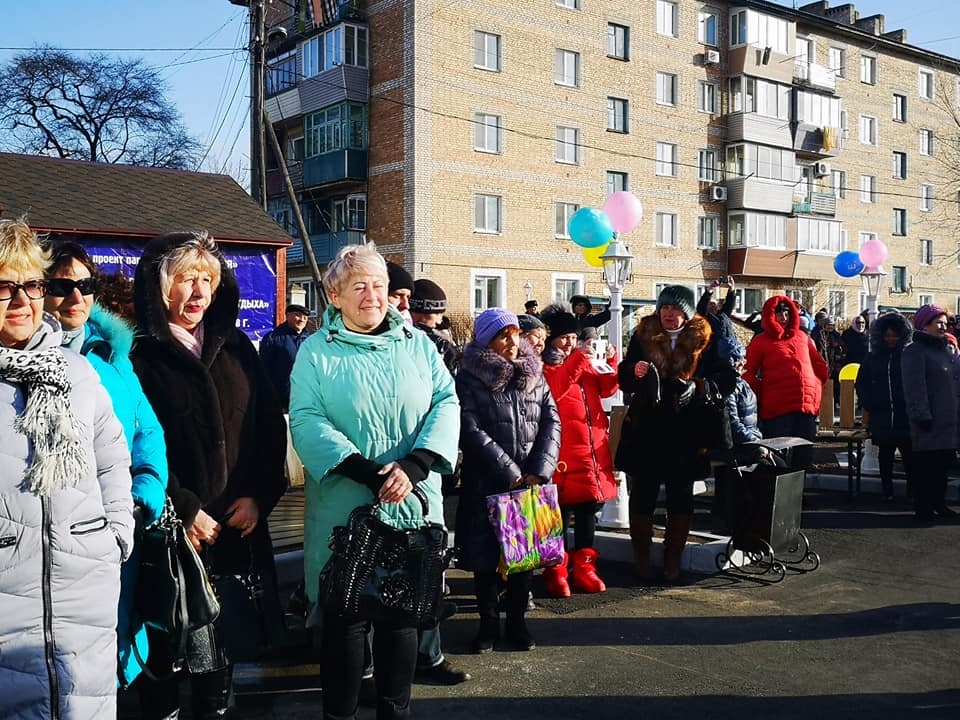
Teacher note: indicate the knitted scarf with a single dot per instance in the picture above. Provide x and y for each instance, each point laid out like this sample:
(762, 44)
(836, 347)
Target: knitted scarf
(59, 459)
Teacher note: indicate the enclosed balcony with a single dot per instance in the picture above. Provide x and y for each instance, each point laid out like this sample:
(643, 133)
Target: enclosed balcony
(346, 165)
(808, 73)
(325, 246)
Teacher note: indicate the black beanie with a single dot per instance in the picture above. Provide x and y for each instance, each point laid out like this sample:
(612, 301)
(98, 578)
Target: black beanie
(680, 296)
(400, 279)
(561, 323)
(428, 297)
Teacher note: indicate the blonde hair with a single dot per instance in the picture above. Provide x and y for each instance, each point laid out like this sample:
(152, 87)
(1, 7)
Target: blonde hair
(354, 260)
(198, 253)
(20, 249)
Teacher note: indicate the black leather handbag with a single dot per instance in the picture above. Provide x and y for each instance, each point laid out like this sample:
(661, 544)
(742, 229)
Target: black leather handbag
(381, 573)
(241, 629)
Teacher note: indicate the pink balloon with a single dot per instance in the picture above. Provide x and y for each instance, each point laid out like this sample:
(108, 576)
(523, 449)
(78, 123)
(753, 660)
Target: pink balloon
(624, 210)
(873, 253)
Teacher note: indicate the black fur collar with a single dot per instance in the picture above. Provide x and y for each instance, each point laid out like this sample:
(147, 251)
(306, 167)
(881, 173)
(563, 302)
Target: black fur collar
(497, 372)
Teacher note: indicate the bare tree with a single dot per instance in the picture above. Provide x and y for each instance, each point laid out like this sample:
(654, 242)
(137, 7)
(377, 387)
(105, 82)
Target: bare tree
(96, 108)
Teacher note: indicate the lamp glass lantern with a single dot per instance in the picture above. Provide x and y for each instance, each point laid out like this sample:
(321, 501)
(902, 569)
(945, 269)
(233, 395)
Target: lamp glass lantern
(617, 265)
(872, 278)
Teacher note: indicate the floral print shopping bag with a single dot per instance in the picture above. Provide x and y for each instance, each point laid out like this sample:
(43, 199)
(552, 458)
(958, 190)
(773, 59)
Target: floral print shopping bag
(528, 527)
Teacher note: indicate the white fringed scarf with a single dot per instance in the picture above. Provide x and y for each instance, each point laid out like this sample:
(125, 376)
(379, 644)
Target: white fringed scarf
(59, 459)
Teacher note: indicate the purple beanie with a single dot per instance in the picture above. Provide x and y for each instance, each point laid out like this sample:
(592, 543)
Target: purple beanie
(926, 315)
(492, 321)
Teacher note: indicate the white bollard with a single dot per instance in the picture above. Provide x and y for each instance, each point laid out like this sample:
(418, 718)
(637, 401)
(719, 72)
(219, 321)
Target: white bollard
(616, 511)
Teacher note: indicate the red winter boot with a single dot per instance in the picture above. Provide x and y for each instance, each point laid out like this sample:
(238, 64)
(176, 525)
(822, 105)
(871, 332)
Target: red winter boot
(555, 578)
(585, 578)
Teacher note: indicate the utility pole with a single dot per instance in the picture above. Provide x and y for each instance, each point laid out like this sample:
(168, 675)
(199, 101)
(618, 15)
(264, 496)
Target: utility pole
(257, 46)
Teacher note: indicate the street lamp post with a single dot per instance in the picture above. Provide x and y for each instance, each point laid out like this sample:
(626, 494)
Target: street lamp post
(528, 290)
(872, 278)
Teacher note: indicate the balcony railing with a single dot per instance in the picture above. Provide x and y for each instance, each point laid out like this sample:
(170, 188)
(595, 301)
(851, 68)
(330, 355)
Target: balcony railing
(817, 204)
(336, 166)
(325, 246)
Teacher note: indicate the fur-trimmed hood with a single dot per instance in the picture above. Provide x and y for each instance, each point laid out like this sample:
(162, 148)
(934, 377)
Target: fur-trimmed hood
(679, 362)
(107, 335)
(890, 321)
(151, 311)
(496, 372)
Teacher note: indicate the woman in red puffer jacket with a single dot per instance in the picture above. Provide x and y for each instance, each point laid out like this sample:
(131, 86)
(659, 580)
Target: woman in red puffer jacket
(584, 475)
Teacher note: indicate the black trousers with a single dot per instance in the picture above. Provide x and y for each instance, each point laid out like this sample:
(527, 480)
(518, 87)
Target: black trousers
(486, 585)
(584, 523)
(644, 491)
(930, 474)
(342, 664)
(885, 458)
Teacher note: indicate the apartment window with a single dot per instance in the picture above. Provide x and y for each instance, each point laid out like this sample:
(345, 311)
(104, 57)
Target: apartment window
(667, 18)
(898, 279)
(819, 235)
(708, 232)
(925, 83)
(899, 107)
(666, 159)
(617, 118)
(707, 28)
(295, 149)
(899, 221)
(489, 289)
(281, 73)
(772, 100)
(564, 211)
(487, 133)
(868, 189)
(837, 303)
(926, 197)
(868, 69)
(707, 97)
(567, 68)
(926, 252)
(616, 182)
(924, 299)
(926, 141)
(488, 214)
(335, 128)
(569, 4)
(342, 45)
(486, 51)
(738, 28)
(865, 237)
(837, 58)
(568, 145)
(357, 212)
(899, 165)
(838, 183)
(757, 230)
(566, 286)
(618, 41)
(666, 89)
(868, 130)
(708, 165)
(665, 227)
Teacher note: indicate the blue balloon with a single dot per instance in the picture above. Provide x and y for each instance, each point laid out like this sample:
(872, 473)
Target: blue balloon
(847, 264)
(590, 228)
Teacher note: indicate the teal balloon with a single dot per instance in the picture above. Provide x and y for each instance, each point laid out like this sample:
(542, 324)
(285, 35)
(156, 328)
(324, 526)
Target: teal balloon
(590, 228)
(847, 264)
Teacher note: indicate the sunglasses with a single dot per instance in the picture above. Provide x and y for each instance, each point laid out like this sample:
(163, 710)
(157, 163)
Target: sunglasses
(62, 287)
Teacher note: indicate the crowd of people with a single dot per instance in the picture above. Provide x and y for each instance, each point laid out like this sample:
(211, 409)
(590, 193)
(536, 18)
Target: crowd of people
(109, 426)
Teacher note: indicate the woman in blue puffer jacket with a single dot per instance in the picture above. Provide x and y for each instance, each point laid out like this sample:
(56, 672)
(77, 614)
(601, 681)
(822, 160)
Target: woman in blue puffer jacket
(106, 340)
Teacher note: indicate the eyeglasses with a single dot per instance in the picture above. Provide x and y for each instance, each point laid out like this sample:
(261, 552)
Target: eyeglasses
(34, 289)
(61, 287)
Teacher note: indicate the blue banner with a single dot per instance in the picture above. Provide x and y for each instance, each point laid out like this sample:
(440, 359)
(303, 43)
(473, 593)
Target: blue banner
(254, 267)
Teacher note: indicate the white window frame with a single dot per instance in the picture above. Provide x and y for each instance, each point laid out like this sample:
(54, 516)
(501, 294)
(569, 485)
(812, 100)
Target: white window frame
(926, 197)
(708, 94)
(618, 41)
(899, 169)
(482, 53)
(752, 235)
(618, 115)
(926, 142)
(666, 164)
(490, 203)
(562, 213)
(708, 27)
(838, 182)
(612, 175)
(837, 303)
(868, 189)
(563, 73)
(899, 107)
(567, 146)
(868, 69)
(899, 222)
(668, 18)
(569, 4)
(560, 277)
(898, 279)
(667, 90)
(483, 274)
(666, 235)
(926, 252)
(925, 299)
(818, 235)
(708, 232)
(708, 170)
(487, 135)
(869, 130)
(837, 61)
(926, 83)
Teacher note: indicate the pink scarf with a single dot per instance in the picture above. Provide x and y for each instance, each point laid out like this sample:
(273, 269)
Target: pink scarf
(192, 341)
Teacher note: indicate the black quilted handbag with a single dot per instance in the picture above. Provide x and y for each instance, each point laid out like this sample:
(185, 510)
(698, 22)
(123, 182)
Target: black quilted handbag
(381, 573)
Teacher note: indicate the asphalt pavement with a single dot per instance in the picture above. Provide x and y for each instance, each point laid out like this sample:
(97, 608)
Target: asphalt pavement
(873, 633)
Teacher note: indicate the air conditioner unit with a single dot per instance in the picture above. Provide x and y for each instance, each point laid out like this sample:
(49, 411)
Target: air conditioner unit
(711, 57)
(821, 169)
(718, 193)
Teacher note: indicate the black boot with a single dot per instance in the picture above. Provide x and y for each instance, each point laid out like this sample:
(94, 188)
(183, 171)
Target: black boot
(487, 588)
(515, 631)
(210, 694)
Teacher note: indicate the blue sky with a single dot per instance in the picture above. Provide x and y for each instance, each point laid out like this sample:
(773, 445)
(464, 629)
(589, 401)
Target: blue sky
(190, 41)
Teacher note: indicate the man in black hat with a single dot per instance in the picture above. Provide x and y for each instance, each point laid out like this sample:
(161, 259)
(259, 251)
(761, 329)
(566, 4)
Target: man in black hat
(278, 349)
(583, 311)
(400, 288)
(531, 307)
(428, 303)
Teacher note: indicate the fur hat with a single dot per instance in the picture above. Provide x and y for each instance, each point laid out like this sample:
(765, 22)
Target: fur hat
(581, 299)
(528, 323)
(399, 278)
(926, 315)
(492, 321)
(530, 304)
(588, 333)
(680, 296)
(295, 308)
(561, 323)
(428, 297)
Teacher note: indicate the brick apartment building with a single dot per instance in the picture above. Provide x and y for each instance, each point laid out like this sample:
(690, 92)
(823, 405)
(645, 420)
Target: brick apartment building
(762, 140)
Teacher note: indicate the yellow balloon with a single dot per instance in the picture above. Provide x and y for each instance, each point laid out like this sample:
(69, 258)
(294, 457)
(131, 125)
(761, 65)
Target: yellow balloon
(592, 255)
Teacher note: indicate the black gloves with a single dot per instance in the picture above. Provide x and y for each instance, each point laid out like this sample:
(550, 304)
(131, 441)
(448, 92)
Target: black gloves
(685, 392)
(416, 465)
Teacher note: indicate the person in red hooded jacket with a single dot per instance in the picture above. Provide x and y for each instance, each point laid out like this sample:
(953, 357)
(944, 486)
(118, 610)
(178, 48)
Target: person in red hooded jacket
(584, 475)
(786, 372)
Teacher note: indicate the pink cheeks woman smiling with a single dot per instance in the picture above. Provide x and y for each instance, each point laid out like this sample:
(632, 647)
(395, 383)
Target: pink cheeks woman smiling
(21, 306)
(362, 303)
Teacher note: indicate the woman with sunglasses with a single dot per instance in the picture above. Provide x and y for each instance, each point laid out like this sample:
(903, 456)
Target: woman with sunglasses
(106, 340)
(66, 521)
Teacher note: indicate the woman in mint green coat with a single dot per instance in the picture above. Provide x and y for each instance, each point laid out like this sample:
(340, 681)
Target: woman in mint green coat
(373, 412)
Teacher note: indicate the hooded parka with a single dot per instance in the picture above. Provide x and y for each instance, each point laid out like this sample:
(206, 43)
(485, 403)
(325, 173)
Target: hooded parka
(509, 428)
(931, 392)
(381, 396)
(880, 384)
(60, 558)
